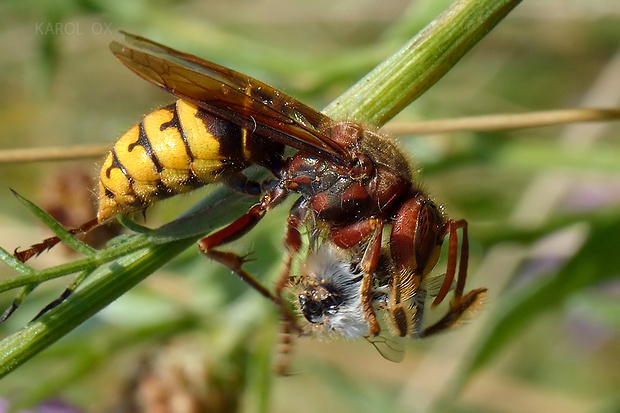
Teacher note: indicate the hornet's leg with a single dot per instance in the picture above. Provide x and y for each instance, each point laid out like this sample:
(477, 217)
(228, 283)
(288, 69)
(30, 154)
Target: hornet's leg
(352, 235)
(235, 262)
(461, 306)
(34, 251)
(237, 229)
(292, 241)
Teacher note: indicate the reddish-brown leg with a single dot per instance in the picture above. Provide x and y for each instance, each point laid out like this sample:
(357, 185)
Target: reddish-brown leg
(369, 264)
(458, 307)
(460, 304)
(34, 251)
(453, 252)
(48, 243)
(235, 262)
(285, 346)
(352, 235)
(234, 231)
(415, 245)
(292, 242)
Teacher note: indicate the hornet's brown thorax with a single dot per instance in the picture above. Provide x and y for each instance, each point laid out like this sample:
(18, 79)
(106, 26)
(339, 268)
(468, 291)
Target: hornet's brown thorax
(373, 182)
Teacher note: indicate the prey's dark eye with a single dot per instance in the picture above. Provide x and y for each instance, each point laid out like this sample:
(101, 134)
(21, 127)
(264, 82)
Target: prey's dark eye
(317, 303)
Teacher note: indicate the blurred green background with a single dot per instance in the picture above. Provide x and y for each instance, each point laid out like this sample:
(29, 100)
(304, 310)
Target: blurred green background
(543, 208)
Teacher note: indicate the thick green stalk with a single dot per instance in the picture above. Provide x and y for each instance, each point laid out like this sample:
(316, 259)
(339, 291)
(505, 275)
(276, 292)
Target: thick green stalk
(408, 73)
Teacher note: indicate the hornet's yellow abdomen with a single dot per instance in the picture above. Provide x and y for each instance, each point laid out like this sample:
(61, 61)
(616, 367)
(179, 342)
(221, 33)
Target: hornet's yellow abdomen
(173, 150)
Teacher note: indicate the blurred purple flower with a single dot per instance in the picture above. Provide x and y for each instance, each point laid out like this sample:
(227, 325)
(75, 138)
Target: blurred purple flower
(49, 406)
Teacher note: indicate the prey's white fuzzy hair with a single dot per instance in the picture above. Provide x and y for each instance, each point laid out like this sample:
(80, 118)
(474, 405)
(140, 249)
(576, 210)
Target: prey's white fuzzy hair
(331, 265)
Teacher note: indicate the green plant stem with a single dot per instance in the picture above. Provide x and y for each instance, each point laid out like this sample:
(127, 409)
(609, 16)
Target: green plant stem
(408, 73)
(374, 100)
(108, 283)
(72, 267)
(84, 303)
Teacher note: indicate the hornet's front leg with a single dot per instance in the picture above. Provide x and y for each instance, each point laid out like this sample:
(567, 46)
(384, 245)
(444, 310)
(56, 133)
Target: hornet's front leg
(234, 262)
(236, 230)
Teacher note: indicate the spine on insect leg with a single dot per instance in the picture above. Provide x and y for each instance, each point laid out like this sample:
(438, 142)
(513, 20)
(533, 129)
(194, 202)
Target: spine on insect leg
(173, 150)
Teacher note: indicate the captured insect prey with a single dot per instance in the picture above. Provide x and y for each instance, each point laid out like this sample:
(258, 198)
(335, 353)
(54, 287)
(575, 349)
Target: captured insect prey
(374, 236)
(328, 293)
